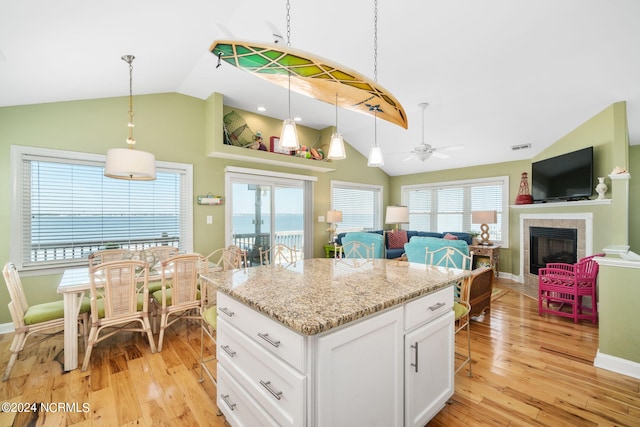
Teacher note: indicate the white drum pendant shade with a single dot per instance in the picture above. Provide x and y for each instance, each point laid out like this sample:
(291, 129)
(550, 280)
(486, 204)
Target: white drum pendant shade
(125, 163)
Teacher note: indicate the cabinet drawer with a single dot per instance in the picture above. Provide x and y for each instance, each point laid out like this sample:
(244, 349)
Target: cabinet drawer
(428, 307)
(278, 387)
(271, 335)
(237, 405)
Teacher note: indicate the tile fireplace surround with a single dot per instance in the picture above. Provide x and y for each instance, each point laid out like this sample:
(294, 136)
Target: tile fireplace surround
(583, 222)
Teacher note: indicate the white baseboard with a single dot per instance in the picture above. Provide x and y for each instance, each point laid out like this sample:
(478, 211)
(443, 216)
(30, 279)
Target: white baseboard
(617, 365)
(6, 328)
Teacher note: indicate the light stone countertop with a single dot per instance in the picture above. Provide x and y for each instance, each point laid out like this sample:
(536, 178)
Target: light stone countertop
(314, 295)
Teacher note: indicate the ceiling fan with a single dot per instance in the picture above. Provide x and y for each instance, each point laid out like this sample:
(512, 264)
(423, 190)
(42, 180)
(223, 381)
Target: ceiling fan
(423, 151)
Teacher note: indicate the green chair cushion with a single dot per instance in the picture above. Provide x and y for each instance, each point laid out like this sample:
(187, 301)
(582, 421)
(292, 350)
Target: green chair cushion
(210, 315)
(157, 295)
(44, 312)
(459, 310)
(155, 286)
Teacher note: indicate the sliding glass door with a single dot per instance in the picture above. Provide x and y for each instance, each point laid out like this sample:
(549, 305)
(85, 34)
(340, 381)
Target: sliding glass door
(263, 211)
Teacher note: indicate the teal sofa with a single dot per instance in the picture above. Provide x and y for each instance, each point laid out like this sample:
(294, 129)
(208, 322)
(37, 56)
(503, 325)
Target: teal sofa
(416, 248)
(367, 239)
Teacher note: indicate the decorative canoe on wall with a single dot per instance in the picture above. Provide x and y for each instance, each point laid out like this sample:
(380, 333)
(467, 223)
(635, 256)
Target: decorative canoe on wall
(313, 76)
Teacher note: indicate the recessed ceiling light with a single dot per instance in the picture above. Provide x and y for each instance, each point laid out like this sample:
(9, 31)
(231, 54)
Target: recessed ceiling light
(297, 119)
(262, 108)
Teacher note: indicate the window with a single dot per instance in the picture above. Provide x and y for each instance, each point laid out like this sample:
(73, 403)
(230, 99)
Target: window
(64, 208)
(447, 206)
(361, 205)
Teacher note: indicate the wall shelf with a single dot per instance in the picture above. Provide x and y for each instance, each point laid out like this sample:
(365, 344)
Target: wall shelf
(551, 205)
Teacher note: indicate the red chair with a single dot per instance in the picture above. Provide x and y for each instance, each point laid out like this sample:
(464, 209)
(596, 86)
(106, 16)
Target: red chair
(562, 287)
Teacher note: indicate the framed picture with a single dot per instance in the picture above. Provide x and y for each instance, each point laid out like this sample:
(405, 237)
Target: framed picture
(276, 148)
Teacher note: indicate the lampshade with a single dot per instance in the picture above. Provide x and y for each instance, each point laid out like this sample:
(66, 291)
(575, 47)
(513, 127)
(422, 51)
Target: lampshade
(289, 136)
(397, 215)
(375, 156)
(334, 216)
(127, 163)
(484, 217)
(336, 148)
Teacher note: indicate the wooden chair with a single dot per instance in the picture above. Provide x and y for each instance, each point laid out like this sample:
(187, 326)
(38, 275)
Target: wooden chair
(562, 287)
(119, 298)
(45, 318)
(179, 295)
(228, 258)
(452, 257)
(106, 255)
(278, 254)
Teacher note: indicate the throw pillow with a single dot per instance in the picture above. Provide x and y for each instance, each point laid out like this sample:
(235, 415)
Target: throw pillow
(397, 239)
(450, 236)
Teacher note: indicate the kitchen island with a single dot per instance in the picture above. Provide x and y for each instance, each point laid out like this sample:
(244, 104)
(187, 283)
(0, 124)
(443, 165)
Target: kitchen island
(329, 342)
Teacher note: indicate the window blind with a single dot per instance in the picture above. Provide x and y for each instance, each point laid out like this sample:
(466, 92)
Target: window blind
(447, 206)
(361, 205)
(69, 209)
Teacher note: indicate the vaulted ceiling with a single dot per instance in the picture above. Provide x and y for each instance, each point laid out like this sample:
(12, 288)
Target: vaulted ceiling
(496, 73)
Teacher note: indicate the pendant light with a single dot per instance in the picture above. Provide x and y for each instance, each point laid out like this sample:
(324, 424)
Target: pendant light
(289, 134)
(127, 163)
(336, 146)
(375, 152)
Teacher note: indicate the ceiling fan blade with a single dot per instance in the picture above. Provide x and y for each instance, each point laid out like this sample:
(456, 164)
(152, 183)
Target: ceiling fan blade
(408, 158)
(451, 148)
(440, 155)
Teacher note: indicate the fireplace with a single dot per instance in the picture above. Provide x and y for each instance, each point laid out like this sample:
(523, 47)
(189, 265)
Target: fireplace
(582, 222)
(549, 244)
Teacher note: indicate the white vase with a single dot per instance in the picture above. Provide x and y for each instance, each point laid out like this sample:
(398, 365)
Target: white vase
(601, 188)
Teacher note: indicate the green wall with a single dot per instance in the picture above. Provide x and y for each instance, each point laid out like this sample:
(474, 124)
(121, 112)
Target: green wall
(174, 128)
(603, 132)
(180, 128)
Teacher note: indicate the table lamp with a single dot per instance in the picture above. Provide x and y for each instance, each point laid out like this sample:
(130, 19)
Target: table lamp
(397, 215)
(484, 218)
(333, 217)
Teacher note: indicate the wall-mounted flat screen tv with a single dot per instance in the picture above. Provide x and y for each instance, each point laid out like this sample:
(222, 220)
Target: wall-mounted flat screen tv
(565, 177)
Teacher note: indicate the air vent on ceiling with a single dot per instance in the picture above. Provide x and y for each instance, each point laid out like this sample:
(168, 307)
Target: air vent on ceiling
(520, 147)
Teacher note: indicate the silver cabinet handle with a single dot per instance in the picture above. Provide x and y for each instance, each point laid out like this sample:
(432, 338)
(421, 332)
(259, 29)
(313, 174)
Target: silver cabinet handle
(270, 389)
(230, 404)
(226, 349)
(270, 340)
(226, 311)
(416, 363)
(435, 307)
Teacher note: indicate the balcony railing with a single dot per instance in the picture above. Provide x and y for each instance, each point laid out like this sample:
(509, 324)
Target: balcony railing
(61, 251)
(252, 242)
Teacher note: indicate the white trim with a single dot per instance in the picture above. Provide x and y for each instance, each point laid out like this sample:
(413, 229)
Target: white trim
(358, 186)
(617, 365)
(271, 174)
(6, 328)
(588, 229)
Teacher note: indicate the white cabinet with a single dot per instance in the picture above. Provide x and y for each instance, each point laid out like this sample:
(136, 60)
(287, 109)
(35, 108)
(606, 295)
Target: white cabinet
(428, 369)
(360, 375)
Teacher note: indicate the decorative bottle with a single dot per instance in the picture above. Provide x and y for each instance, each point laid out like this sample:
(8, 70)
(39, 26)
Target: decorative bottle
(601, 188)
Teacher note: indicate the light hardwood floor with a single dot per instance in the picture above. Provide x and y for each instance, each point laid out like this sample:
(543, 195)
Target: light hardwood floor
(528, 371)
